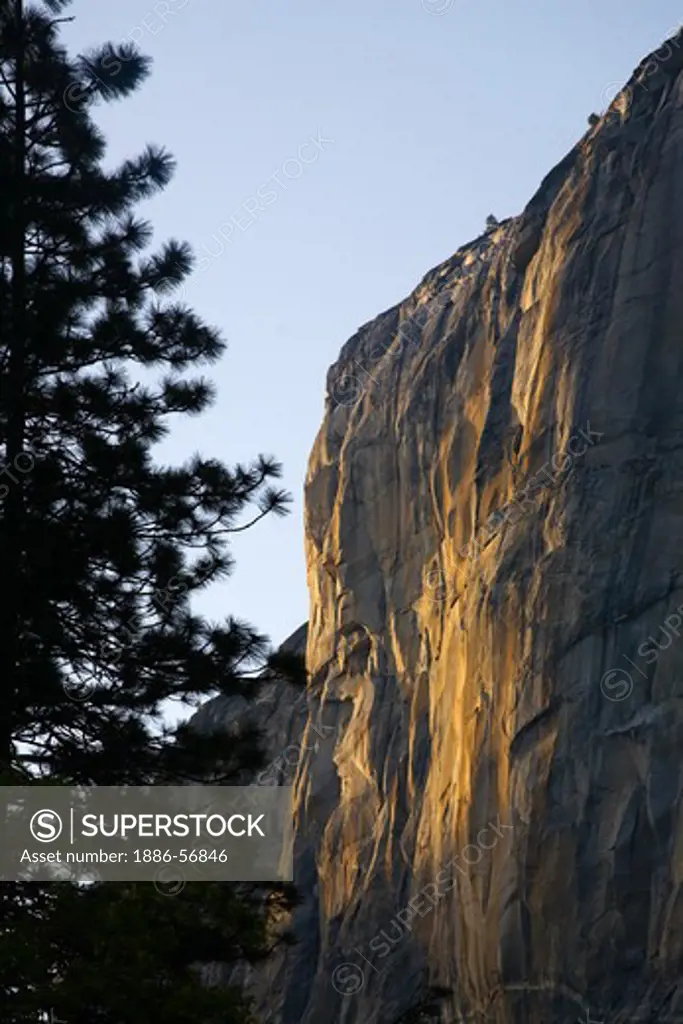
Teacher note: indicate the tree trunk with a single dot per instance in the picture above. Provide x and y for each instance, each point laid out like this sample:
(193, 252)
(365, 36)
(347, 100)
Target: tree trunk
(12, 525)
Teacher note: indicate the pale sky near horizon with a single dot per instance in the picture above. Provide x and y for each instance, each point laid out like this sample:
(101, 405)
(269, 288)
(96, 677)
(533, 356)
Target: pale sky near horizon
(438, 113)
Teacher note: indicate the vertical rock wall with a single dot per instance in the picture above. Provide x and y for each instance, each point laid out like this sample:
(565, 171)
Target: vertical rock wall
(490, 824)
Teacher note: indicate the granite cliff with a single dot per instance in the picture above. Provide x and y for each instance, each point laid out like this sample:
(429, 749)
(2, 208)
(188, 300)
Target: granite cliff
(487, 764)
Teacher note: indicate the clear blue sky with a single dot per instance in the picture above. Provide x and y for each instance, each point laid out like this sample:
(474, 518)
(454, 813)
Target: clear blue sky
(437, 119)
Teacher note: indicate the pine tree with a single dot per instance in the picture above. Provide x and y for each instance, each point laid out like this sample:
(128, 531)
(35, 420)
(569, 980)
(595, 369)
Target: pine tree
(102, 549)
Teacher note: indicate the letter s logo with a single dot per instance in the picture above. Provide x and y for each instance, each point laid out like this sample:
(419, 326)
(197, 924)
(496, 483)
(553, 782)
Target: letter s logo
(46, 826)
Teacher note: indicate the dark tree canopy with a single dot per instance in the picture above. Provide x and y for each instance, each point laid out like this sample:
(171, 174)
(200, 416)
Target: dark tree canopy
(102, 548)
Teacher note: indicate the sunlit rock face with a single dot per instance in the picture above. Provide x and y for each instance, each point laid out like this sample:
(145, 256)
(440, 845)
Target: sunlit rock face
(494, 534)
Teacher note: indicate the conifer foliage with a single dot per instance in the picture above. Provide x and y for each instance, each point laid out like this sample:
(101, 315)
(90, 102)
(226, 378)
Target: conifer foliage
(102, 548)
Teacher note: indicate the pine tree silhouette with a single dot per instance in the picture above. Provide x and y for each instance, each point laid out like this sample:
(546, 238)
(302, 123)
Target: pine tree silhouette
(102, 549)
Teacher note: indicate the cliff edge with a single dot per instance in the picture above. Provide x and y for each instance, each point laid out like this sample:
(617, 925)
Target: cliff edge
(488, 785)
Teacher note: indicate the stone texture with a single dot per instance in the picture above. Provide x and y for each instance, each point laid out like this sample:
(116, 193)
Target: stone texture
(494, 536)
